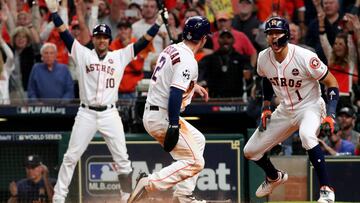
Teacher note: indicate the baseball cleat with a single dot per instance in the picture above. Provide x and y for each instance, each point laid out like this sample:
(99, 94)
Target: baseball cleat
(139, 191)
(327, 195)
(268, 185)
(187, 199)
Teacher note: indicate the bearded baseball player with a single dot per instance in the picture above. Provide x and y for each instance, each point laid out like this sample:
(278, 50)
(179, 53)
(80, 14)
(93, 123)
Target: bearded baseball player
(172, 86)
(99, 72)
(293, 73)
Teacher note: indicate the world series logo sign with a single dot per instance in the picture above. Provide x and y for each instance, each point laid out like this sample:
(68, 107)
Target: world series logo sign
(219, 180)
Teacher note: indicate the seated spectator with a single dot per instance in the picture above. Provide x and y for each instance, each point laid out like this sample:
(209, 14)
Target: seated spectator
(242, 44)
(50, 80)
(222, 72)
(36, 187)
(333, 144)
(346, 118)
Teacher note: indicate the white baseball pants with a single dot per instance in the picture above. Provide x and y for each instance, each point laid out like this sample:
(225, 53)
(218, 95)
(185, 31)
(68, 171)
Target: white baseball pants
(188, 154)
(284, 123)
(87, 123)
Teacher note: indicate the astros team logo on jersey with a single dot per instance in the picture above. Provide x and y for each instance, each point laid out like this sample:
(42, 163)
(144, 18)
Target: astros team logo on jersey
(315, 63)
(295, 72)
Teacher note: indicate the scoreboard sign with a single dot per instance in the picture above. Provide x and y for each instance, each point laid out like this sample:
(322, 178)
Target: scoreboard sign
(219, 180)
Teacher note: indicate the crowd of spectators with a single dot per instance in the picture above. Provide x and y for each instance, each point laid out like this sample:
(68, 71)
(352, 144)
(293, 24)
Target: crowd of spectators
(35, 65)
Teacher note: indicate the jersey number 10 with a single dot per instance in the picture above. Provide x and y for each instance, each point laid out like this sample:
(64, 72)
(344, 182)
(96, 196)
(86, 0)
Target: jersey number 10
(110, 83)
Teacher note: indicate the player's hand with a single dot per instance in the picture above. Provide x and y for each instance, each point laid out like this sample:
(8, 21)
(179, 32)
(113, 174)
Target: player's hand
(171, 137)
(202, 92)
(265, 118)
(44, 171)
(329, 120)
(52, 5)
(13, 188)
(163, 17)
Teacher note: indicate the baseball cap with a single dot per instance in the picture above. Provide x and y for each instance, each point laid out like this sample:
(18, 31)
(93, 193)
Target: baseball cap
(223, 16)
(347, 110)
(32, 161)
(226, 32)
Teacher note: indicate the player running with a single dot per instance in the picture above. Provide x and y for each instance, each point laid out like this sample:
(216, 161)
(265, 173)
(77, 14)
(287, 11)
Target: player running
(172, 86)
(293, 73)
(100, 72)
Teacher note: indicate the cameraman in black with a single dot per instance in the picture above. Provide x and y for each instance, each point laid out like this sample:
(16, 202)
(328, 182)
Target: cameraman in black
(333, 144)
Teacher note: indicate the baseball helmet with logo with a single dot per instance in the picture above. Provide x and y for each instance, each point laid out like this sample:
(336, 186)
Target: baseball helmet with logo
(195, 28)
(102, 29)
(279, 23)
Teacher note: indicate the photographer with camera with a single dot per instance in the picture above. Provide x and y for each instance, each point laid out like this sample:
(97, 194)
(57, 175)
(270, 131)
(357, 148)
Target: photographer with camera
(332, 144)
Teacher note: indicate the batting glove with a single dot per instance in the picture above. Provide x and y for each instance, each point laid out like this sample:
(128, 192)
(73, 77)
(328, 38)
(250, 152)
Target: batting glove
(162, 17)
(329, 120)
(171, 137)
(265, 117)
(52, 5)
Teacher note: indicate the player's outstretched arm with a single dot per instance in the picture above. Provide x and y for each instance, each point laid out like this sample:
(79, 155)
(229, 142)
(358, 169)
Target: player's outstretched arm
(333, 97)
(150, 34)
(64, 32)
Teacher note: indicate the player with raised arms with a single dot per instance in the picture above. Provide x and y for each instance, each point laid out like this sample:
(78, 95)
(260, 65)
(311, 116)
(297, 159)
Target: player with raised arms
(100, 72)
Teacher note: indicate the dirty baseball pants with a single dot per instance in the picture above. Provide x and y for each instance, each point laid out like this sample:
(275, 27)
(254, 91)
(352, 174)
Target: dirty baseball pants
(188, 153)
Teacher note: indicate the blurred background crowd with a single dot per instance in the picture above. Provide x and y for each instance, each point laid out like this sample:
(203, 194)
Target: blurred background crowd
(35, 66)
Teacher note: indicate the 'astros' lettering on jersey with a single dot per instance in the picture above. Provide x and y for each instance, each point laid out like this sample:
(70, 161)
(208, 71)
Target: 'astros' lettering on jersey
(177, 67)
(99, 79)
(295, 80)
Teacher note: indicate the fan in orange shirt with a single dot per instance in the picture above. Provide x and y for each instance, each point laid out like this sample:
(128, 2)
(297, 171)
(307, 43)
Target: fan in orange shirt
(134, 70)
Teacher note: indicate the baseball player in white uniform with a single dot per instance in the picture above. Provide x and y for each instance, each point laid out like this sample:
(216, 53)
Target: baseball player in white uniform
(293, 73)
(99, 72)
(5, 72)
(172, 86)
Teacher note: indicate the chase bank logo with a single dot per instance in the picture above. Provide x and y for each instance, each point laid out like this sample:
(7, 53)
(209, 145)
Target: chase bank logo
(103, 172)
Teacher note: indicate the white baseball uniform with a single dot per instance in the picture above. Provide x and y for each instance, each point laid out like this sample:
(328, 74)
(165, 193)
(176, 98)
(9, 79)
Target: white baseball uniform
(8, 68)
(98, 83)
(295, 82)
(176, 67)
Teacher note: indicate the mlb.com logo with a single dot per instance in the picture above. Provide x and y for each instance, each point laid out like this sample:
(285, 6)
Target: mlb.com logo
(103, 172)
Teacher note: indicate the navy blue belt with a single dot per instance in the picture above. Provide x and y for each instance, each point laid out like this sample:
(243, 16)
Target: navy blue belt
(97, 108)
(153, 108)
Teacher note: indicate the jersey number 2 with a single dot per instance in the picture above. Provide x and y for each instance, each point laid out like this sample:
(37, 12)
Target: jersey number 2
(159, 67)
